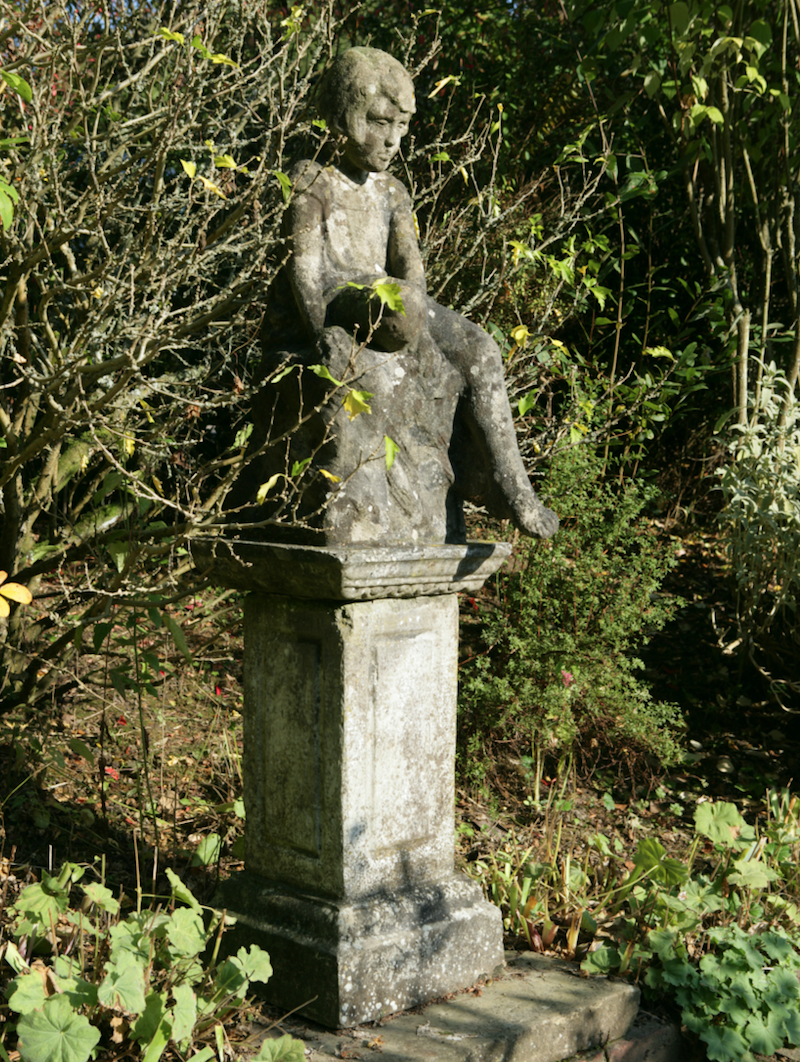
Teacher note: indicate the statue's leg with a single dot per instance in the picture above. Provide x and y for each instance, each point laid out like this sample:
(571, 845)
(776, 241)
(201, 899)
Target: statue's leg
(485, 455)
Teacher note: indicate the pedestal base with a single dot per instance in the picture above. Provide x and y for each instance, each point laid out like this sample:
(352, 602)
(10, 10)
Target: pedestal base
(366, 959)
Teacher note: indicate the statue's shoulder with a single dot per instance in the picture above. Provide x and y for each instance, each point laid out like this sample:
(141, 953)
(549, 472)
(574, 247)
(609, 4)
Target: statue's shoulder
(307, 173)
(394, 190)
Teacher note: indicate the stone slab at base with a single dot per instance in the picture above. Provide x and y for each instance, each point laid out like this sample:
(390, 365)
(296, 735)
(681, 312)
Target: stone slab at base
(354, 573)
(538, 1010)
(361, 961)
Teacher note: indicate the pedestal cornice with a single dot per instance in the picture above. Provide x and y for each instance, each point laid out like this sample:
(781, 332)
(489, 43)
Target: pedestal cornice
(356, 573)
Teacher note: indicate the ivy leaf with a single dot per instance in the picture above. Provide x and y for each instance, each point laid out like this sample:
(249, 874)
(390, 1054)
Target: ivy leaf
(56, 1034)
(357, 402)
(281, 1049)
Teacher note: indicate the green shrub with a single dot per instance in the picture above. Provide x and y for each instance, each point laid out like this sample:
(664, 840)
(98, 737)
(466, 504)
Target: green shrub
(760, 530)
(557, 669)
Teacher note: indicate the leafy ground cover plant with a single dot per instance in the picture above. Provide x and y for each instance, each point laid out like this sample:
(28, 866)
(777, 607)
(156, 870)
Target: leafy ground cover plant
(85, 977)
(716, 932)
(555, 673)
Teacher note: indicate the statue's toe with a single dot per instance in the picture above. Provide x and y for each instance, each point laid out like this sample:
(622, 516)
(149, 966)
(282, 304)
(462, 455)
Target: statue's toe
(532, 518)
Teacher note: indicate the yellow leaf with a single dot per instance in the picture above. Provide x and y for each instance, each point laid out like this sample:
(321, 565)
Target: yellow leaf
(357, 402)
(16, 592)
(4, 609)
(158, 485)
(128, 444)
(189, 168)
(265, 488)
(212, 187)
(520, 334)
(330, 475)
(225, 162)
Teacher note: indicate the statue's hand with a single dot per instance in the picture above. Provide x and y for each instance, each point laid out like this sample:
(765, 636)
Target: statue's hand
(334, 347)
(533, 518)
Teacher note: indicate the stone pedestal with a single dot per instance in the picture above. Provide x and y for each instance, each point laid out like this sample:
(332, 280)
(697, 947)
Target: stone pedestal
(349, 745)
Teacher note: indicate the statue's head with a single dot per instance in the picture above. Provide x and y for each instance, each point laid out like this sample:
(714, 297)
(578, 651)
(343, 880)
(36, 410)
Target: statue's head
(367, 97)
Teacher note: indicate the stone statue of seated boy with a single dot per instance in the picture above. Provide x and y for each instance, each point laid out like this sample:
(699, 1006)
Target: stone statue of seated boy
(437, 395)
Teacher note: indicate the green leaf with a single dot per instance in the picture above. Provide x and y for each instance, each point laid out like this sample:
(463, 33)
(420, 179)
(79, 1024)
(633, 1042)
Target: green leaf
(184, 1013)
(180, 891)
(719, 821)
(80, 748)
(168, 35)
(356, 403)
(56, 1034)
(281, 1049)
(207, 852)
(26, 993)
(285, 183)
(161, 1037)
(43, 901)
(389, 294)
(122, 988)
(324, 373)
(300, 466)
(101, 896)
(242, 436)
(18, 84)
(265, 488)
(602, 960)
(715, 115)
(283, 372)
(392, 449)
(6, 209)
(186, 932)
(224, 162)
(722, 1043)
(177, 636)
(652, 82)
(524, 405)
(764, 1038)
(752, 874)
(145, 1028)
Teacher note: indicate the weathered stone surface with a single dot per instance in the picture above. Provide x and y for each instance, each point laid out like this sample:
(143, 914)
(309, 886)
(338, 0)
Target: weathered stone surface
(360, 961)
(349, 745)
(434, 380)
(349, 742)
(349, 574)
(538, 1010)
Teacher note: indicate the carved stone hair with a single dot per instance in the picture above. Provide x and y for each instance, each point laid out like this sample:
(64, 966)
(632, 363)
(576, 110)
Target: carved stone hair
(358, 76)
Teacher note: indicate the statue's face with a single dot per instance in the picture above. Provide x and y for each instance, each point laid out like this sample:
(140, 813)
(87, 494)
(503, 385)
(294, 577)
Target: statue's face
(374, 134)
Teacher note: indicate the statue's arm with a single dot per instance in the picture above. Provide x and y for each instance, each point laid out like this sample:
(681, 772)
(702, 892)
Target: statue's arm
(404, 259)
(305, 268)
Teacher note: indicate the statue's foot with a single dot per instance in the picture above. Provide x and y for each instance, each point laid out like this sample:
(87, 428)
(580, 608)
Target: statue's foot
(532, 518)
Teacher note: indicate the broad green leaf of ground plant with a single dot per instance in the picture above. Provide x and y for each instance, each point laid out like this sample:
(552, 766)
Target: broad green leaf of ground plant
(723, 1044)
(240, 969)
(144, 1029)
(180, 891)
(43, 901)
(122, 988)
(651, 859)
(56, 1034)
(720, 822)
(184, 1013)
(281, 1049)
(186, 933)
(207, 851)
(79, 992)
(102, 897)
(752, 874)
(765, 1037)
(601, 961)
(26, 993)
